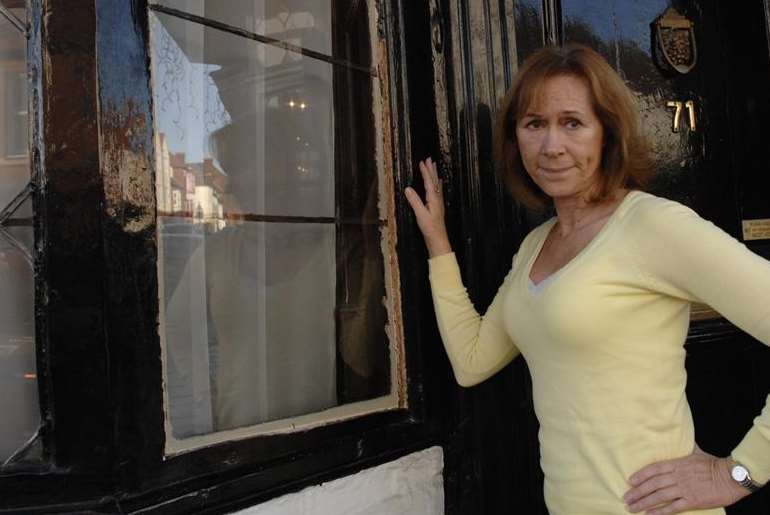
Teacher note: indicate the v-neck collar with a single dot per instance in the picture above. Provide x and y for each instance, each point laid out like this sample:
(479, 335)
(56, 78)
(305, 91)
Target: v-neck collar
(538, 287)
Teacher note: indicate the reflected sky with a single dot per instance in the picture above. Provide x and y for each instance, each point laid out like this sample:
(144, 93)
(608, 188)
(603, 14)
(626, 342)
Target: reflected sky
(616, 19)
(187, 104)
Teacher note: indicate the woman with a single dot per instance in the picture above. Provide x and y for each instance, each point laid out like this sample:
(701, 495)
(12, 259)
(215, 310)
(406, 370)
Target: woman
(598, 298)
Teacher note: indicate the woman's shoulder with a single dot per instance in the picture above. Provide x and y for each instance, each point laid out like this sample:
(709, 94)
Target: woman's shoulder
(646, 208)
(653, 221)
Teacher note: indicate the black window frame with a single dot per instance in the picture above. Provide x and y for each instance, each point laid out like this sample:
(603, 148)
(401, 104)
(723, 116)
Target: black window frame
(99, 364)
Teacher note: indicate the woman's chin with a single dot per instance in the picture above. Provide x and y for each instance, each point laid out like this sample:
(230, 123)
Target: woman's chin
(564, 189)
(556, 191)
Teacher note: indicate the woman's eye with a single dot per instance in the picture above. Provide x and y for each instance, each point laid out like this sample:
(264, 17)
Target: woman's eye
(573, 124)
(534, 124)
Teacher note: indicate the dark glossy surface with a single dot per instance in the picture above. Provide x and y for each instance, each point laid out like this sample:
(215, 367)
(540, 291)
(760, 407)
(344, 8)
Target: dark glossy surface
(489, 449)
(528, 26)
(71, 249)
(76, 415)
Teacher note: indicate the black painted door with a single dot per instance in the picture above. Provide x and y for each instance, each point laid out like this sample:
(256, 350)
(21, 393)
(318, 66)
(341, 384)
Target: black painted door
(708, 157)
(713, 162)
(715, 165)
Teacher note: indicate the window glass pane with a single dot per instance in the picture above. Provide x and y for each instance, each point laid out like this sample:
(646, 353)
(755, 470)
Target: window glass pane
(244, 347)
(305, 23)
(230, 121)
(16, 109)
(14, 166)
(18, 377)
(269, 231)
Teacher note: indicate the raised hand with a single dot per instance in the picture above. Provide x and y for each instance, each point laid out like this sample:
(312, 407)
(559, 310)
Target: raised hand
(430, 214)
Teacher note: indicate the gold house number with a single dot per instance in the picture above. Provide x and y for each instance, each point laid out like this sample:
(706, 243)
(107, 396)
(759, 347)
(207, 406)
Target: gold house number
(677, 105)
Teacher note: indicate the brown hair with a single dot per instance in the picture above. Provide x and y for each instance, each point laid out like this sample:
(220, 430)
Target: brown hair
(625, 159)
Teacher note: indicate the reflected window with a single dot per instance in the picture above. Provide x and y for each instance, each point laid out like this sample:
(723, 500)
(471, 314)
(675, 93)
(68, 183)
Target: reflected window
(271, 230)
(18, 376)
(16, 114)
(306, 24)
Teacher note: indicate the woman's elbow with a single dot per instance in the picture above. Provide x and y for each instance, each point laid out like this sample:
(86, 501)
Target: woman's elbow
(467, 377)
(467, 380)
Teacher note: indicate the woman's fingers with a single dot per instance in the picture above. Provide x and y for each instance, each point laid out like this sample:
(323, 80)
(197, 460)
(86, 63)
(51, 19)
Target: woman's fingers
(656, 498)
(651, 485)
(677, 506)
(654, 469)
(431, 182)
(434, 173)
(415, 201)
(430, 213)
(425, 219)
(427, 182)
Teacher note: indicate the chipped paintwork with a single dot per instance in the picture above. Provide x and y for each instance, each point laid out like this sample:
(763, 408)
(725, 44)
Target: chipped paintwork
(440, 81)
(128, 183)
(395, 328)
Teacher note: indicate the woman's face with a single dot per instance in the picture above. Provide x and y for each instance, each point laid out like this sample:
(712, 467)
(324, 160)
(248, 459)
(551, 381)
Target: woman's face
(560, 139)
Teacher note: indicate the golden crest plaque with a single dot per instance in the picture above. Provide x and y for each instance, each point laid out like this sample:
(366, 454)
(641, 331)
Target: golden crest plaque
(675, 41)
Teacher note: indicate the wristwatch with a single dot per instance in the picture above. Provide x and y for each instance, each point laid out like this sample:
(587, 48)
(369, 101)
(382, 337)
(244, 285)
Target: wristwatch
(740, 475)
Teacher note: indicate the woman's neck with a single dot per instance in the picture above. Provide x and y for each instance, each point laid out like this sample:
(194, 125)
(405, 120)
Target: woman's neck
(577, 212)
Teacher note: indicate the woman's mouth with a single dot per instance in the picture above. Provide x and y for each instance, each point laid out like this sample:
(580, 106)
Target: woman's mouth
(554, 170)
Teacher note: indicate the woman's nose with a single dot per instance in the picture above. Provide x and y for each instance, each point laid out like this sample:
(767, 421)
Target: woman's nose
(552, 145)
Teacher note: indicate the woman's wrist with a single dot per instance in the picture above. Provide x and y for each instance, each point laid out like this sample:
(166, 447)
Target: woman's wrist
(439, 248)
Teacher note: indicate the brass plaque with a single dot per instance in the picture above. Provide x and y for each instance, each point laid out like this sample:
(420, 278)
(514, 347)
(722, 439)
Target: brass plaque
(756, 229)
(699, 311)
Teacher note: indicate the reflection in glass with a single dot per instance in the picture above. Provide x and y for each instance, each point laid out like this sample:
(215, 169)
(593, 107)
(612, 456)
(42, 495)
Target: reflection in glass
(270, 261)
(243, 337)
(14, 165)
(308, 24)
(529, 27)
(621, 32)
(225, 118)
(18, 376)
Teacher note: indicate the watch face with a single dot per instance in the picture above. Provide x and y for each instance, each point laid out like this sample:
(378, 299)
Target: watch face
(739, 473)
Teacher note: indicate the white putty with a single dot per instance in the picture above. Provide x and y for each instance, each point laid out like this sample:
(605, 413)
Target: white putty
(412, 485)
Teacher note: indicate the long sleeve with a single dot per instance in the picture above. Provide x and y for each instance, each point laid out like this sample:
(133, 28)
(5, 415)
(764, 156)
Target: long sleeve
(477, 346)
(687, 257)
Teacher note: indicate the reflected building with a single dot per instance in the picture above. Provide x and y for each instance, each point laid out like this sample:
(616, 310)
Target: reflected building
(189, 190)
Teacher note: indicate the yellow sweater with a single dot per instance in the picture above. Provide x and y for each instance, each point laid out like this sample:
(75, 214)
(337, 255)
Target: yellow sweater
(604, 340)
